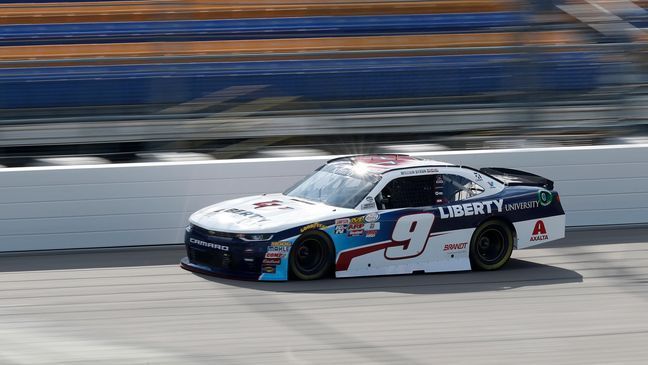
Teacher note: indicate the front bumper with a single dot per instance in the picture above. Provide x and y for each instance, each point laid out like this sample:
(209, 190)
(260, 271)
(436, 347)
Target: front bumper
(186, 264)
(231, 257)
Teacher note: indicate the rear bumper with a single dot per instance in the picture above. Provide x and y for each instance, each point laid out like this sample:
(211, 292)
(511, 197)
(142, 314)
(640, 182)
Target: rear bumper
(540, 230)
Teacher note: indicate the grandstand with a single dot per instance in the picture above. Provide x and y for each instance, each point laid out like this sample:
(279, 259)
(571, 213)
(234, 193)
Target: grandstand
(144, 58)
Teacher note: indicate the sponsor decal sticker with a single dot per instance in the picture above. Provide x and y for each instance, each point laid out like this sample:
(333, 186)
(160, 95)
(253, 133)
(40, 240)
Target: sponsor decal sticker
(269, 269)
(371, 234)
(357, 220)
(245, 213)
(356, 229)
(215, 246)
(372, 226)
(271, 203)
(341, 225)
(372, 217)
(539, 232)
(356, 226)
(278, 249)
(271, 261)
(281, 244)
(470, 209)
(418, 171)
(521, 206)
(455, 246)
(274, 255)
(545, 197)
(491, 184)
(368, 203)
(311, 227)
(478, 177)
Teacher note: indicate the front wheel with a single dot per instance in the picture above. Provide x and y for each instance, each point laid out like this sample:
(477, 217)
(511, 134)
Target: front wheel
(491, 245)
(311, 257)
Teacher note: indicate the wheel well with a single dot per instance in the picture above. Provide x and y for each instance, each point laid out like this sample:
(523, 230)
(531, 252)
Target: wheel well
(314, 233)
(507, 222)
(317, 232)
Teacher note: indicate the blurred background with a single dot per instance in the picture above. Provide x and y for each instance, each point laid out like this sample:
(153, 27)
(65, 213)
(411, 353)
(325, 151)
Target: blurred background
(170, 80)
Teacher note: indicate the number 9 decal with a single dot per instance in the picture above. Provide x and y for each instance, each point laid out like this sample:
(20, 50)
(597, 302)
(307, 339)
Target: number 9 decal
(411, 232)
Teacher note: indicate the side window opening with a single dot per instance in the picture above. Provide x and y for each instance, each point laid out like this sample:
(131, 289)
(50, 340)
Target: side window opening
(426, 190)
(403, 192)
(457, 188)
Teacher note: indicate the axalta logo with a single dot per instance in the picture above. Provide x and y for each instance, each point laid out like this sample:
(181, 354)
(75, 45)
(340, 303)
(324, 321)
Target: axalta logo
(468, 209)
(539, 232)
(215, 246)
(454, 246)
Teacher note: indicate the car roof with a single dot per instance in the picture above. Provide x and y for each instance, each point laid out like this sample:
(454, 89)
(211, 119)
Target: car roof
(382, 163)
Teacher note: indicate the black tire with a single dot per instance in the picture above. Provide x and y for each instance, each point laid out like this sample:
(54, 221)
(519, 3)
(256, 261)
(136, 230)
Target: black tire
(312, 257)
(491, 245)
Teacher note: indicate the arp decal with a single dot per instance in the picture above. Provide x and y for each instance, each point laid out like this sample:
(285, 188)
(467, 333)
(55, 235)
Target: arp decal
(356, 229)
(539, 232)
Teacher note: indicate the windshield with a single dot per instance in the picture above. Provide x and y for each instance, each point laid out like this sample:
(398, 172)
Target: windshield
(337, 185)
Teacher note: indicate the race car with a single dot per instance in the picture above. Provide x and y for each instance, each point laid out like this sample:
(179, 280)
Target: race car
(377, 215)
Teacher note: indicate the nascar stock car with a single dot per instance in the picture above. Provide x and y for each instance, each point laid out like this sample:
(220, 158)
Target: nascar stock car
(377, 215)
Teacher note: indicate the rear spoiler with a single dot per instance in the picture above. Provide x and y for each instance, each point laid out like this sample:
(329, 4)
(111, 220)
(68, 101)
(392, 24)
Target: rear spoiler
(512, 177)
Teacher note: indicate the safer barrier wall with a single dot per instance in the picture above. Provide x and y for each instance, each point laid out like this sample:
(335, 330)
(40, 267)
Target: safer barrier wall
(148, 204)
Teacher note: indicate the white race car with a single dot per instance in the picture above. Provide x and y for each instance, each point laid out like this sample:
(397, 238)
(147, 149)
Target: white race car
(377, 215)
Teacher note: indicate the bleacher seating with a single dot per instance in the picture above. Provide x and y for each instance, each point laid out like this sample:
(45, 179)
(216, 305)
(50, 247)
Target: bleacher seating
(72, 54)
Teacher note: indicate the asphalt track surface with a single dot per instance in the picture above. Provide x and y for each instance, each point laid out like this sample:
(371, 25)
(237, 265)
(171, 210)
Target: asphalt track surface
(582, 300)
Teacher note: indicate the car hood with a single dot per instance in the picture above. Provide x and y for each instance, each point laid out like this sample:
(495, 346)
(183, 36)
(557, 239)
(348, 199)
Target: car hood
(269, 213)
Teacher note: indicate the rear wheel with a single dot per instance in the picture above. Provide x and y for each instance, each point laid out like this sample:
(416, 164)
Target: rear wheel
(311, 257)
(491, 245)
